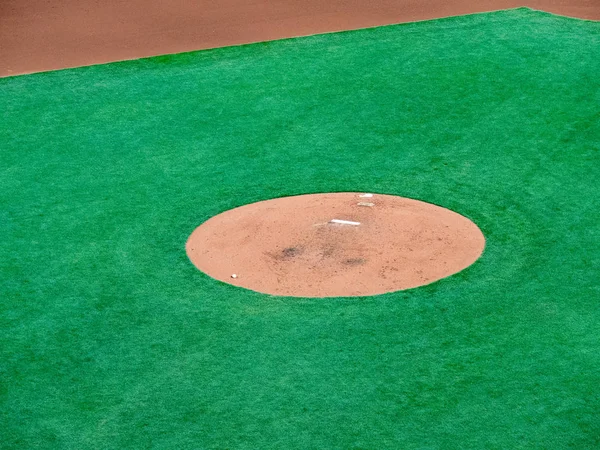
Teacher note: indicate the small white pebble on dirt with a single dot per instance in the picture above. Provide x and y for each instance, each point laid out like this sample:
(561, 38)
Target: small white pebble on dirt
(233, 275)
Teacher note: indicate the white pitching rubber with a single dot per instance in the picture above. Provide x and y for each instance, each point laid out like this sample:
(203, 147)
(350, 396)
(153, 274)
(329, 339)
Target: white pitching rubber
(344, 222)
(366, 195)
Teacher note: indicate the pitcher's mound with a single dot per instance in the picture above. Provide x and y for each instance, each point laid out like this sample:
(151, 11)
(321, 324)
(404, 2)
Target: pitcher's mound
(333, 245)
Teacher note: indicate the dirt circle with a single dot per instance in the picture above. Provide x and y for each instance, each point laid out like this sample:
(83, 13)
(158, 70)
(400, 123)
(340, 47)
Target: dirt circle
(334, 245)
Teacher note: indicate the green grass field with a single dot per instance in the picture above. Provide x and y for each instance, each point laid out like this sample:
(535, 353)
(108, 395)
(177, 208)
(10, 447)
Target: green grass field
(111, 339)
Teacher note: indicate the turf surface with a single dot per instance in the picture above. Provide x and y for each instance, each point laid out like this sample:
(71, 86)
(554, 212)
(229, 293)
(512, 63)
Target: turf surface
(110, 338)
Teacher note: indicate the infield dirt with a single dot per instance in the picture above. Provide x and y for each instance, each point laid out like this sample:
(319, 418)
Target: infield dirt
(39, 36)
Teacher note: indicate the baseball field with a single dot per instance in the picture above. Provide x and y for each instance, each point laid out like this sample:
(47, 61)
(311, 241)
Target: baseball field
(111, 338)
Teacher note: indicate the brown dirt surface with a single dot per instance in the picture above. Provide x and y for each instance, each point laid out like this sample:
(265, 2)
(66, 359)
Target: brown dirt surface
(44, 35)
(289, 246)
